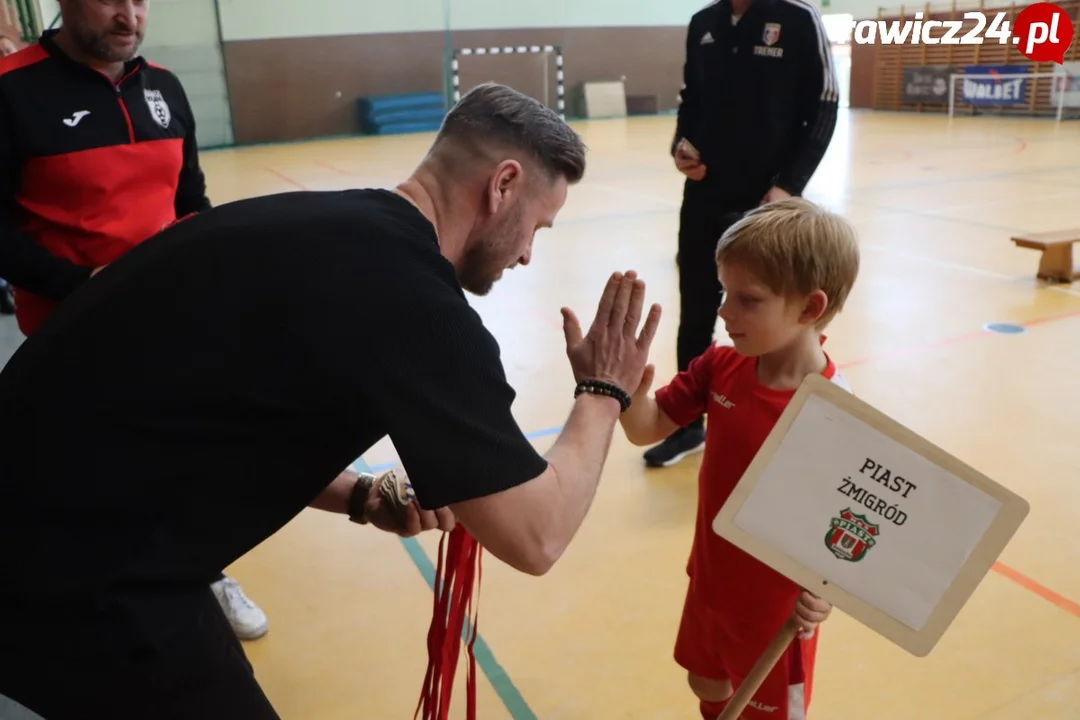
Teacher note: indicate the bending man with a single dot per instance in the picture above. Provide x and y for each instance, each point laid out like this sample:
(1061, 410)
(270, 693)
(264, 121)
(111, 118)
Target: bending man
(125, 487)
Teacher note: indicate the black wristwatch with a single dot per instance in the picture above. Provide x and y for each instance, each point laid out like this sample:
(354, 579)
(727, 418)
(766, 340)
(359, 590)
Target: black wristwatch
(358, 500)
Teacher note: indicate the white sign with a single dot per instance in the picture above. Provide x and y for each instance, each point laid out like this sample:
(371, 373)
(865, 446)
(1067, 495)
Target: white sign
(863, 512)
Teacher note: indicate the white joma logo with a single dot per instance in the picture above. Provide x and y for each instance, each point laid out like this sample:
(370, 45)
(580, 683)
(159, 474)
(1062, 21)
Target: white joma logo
(724, 402)
(76, 118)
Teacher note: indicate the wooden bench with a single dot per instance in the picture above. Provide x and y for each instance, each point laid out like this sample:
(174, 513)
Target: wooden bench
(1056, 264)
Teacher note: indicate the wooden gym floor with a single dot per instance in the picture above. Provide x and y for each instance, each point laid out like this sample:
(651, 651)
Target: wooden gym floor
(935, 203)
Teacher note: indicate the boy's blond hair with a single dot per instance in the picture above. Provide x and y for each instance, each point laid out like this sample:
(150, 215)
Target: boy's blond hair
(795, 247)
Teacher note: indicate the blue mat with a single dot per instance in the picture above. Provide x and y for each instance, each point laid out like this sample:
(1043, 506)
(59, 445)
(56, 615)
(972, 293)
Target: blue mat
(404, 113)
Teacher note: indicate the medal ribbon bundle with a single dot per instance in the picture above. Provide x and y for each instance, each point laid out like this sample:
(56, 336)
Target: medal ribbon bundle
(458, 566)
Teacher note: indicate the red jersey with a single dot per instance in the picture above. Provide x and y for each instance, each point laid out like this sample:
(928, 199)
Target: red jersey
(752, 599)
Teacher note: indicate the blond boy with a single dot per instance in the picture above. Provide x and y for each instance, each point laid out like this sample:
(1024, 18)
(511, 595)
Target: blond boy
(786, 269)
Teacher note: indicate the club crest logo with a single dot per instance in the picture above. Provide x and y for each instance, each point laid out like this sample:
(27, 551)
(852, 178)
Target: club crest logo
(851, 536)
(159, 109)
(771, 34)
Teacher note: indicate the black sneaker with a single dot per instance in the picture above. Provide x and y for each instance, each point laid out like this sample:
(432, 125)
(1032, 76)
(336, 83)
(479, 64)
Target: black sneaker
(684, 441)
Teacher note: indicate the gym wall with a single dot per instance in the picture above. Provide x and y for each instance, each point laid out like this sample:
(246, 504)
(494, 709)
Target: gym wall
(298, 70)
(280, 70)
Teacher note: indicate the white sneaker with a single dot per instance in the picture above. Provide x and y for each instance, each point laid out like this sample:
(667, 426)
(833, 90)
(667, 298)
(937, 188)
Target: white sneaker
(247, 619)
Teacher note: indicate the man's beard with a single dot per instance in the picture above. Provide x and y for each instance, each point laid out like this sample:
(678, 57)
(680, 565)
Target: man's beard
(487, 258)
(97, 47)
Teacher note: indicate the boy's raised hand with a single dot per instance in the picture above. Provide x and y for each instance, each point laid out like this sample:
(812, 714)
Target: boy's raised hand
(810, 611)
(646, 382)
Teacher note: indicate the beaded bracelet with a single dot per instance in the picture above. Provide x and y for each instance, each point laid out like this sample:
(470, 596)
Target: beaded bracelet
(599, 387)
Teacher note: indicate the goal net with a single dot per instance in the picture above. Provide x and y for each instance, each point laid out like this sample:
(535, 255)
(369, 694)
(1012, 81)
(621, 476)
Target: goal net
(535, 70)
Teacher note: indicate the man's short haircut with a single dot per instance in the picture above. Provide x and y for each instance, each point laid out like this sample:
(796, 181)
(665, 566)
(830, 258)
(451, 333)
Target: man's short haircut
(795, 247)
(496, 115)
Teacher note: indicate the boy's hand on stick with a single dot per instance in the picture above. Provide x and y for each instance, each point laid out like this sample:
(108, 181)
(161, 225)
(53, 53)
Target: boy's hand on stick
(810, 611)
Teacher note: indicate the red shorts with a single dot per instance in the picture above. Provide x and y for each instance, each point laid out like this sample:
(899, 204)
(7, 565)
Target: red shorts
(707, 649)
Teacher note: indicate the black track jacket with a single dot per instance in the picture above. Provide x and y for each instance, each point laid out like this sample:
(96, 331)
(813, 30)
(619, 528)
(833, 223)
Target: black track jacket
(759, 97)
(88, 169)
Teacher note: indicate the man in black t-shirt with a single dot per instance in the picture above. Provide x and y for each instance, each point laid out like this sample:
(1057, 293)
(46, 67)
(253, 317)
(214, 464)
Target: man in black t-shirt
(177, 410)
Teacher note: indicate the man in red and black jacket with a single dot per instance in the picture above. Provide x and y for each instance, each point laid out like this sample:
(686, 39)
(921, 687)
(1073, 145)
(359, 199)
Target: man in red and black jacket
(97, 154)
(95, 157)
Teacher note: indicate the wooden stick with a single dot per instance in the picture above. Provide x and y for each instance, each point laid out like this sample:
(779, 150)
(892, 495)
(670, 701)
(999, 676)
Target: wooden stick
(745, 692)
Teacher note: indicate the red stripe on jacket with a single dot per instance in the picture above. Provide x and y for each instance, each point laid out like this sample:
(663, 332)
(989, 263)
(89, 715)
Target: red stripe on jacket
(131, 188)
(23, 58)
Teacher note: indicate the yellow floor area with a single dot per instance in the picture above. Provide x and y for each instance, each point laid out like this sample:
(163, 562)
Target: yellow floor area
(935, 202)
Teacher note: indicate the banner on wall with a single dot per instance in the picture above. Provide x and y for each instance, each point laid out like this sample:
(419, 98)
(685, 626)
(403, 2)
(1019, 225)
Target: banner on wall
(990, 89)
(1066, 80)
(928, 85)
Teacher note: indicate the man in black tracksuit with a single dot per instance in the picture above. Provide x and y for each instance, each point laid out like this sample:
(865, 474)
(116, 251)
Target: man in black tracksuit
(757, 113)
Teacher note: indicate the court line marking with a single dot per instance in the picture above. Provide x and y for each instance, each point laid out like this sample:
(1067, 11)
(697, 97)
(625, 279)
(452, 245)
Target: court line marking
(930, 259)
(614, 217)
(954, 340)
(1004, 175)
(500, 680)
(1065, 290)
(1038, 588)
(284, 177)
(632, 194)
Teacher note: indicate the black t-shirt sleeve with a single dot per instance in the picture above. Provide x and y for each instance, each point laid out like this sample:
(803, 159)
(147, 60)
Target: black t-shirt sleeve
(438, 383)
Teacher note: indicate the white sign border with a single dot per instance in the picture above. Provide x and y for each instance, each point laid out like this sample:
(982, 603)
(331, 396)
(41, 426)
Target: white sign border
(982, 558)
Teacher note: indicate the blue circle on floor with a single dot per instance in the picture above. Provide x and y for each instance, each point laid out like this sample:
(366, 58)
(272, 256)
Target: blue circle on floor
(1005, 328)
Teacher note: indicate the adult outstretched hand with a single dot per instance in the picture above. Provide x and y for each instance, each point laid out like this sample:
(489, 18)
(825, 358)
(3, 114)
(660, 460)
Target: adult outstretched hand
(613, 351)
